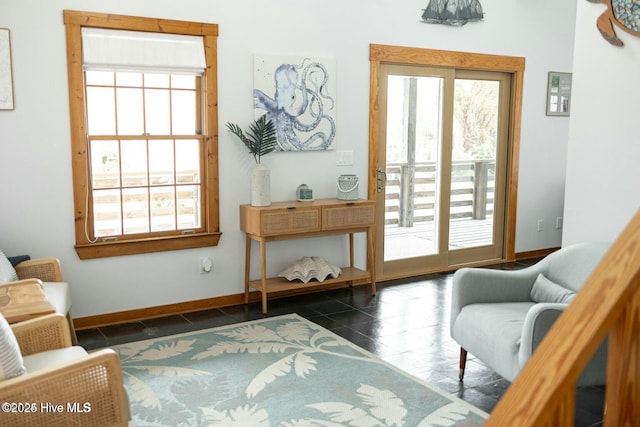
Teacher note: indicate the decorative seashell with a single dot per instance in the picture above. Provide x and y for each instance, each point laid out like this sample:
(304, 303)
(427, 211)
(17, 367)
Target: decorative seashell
(307, 268)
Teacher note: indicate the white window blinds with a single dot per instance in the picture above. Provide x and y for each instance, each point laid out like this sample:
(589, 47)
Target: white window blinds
(142, 51)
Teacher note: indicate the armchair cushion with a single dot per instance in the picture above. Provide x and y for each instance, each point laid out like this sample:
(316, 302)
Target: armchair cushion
(58, 295)
(499, 338)
(7, 272)
(46, 359)
(544, 290)
(11, 361)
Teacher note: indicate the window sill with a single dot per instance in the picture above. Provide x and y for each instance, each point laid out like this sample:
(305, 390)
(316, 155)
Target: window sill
(143, 246)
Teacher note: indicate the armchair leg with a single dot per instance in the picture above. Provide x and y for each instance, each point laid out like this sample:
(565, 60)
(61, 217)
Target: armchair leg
(463, 363)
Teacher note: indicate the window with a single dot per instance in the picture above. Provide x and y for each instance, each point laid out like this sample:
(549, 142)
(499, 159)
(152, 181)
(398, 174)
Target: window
(143, 134)
(144, 144)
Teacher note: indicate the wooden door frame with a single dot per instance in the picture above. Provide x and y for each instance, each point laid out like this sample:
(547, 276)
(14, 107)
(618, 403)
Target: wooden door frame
(379, 54)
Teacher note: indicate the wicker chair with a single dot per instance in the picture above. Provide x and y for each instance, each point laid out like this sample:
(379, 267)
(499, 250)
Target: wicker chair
(49, 273)
(64, 385)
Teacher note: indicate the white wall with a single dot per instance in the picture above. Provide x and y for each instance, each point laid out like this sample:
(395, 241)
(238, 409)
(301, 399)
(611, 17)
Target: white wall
(37, 210)
(603, 177)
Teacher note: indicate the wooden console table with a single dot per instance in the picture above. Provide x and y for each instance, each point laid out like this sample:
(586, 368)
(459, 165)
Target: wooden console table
(299, 220)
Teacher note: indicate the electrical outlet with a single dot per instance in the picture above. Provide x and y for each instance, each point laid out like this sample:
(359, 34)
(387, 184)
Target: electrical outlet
(206, 265)
(540, 224)
(559, 222)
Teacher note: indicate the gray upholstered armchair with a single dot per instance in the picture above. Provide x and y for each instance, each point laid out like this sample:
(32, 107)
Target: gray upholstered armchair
(501, 316)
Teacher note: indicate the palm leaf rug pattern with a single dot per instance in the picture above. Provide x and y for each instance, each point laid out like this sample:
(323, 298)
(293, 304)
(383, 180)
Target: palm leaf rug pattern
(281, 371)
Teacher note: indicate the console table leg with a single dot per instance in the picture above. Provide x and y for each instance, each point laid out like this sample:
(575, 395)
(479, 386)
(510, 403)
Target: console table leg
(247, 268)
(351, 256)
(263, 270)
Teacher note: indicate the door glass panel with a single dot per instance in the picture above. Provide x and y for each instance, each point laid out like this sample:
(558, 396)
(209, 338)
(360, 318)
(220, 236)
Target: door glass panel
(473, 169)
(413, 141)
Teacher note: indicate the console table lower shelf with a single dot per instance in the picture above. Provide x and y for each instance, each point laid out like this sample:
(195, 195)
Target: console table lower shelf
(349, 275)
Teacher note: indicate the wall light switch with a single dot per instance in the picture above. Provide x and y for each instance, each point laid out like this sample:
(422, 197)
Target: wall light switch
(344, 157)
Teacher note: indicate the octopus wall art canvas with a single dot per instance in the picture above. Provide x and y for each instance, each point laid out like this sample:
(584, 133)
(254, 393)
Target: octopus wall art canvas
(298, 94)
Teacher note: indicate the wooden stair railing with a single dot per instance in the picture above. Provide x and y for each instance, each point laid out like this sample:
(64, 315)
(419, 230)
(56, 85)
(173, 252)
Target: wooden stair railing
(544, 393)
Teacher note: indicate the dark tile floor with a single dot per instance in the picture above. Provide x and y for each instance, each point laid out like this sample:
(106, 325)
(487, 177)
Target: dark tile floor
(406, 324)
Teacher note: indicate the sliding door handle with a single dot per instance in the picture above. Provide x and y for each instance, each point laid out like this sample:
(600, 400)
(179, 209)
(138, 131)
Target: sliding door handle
(381, 180)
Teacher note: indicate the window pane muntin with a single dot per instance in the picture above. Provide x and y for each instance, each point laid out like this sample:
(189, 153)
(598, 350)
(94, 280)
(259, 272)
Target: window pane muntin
(105, 163)
(183, 112)
(107, 213)
(133, 154)
(135, 210)
(188, 161)
(101, 111)
(161, 162)
(128, 79)
(188, 200)
(130, 112)
(157, 111)
(163, 208)
(159, 80)
(99, 78)
(183, 81)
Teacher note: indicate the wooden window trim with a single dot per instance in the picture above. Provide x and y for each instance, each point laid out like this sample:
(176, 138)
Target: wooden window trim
(74, 21)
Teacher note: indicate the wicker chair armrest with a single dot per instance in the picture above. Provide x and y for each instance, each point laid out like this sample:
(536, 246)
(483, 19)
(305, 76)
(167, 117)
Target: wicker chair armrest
(90, 391)
(45, 269)
(42, 333)
(20, 282)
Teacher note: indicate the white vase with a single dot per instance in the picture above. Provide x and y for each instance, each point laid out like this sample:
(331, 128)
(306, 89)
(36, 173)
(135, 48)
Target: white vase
(260, 186)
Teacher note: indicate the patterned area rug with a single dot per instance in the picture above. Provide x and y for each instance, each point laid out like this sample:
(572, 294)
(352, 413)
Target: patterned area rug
(281, 371)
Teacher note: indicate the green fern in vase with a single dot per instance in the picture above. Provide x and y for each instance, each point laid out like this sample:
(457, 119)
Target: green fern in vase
(260, 138)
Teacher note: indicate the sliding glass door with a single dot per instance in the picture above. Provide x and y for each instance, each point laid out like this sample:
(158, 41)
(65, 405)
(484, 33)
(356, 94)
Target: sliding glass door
(443, 142)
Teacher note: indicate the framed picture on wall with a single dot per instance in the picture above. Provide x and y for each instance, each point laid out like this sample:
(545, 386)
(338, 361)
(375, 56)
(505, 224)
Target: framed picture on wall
(298, 93)
(558, 94)
(6, 78)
